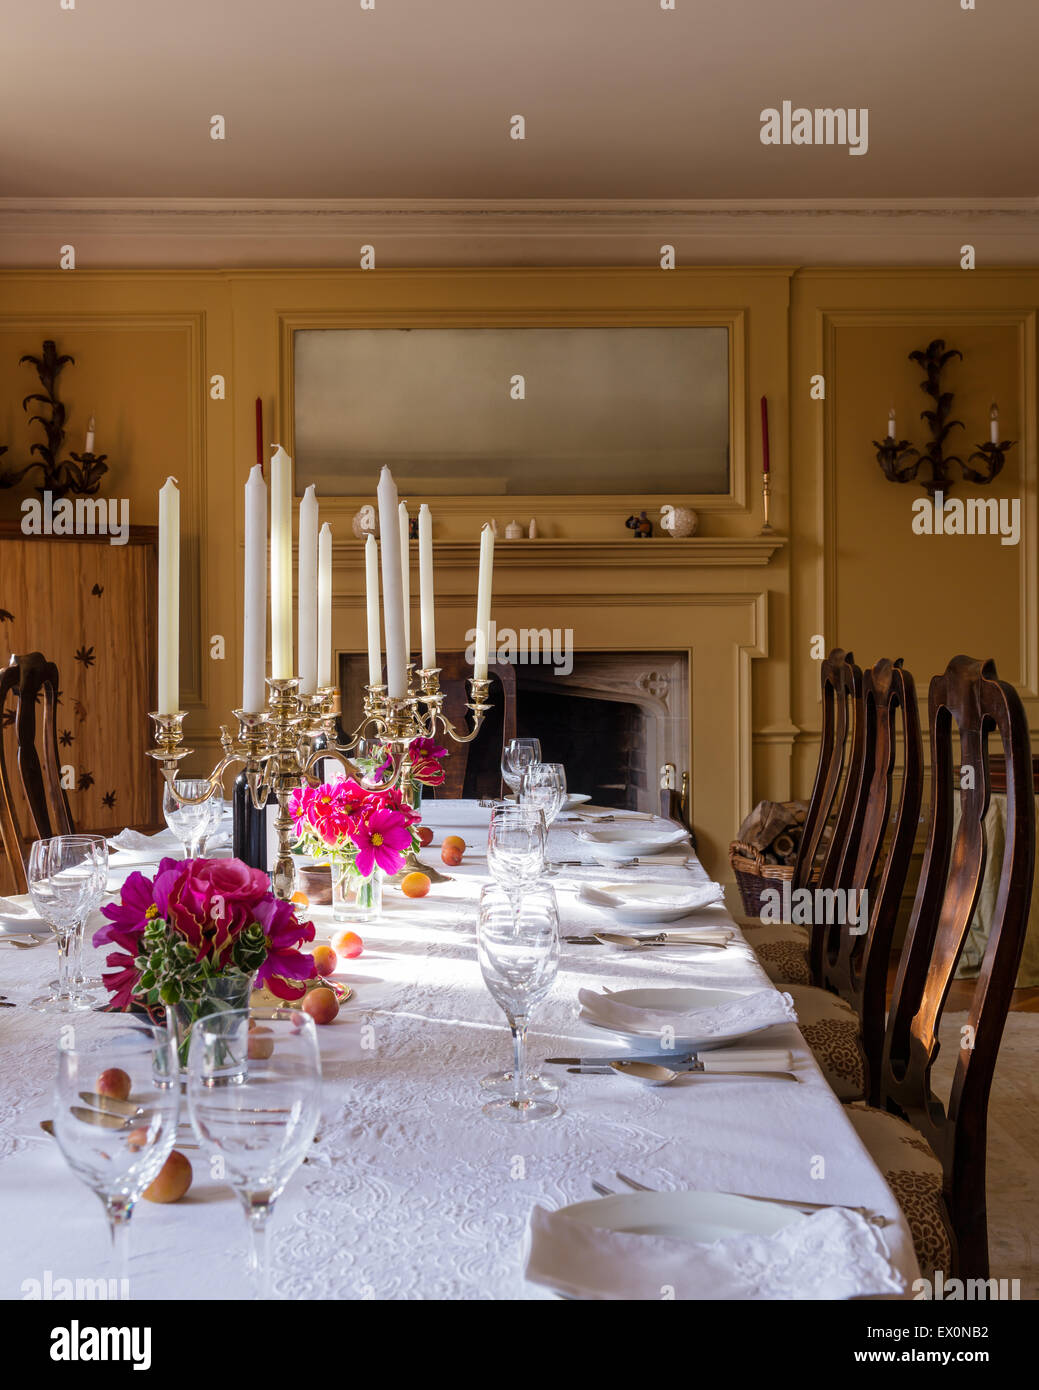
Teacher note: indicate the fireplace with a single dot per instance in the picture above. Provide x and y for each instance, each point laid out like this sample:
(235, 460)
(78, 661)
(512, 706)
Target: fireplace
(613, 721)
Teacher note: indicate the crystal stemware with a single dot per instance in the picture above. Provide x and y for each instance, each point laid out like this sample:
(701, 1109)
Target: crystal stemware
(63, 874)
(518, 949)
(516, 839)
(117, 1147)
(516, 757)
(544, 788)
(190, 820)
(254, 1097)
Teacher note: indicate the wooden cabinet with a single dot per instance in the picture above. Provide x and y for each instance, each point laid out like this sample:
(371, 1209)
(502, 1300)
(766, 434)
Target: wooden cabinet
(90, 607)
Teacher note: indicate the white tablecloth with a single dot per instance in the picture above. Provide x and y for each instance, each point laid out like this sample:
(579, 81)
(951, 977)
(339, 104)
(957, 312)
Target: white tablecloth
(412, 1192)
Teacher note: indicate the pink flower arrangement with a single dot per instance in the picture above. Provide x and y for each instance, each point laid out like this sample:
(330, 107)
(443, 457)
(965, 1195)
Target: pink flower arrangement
(197, 919)
(353, 825)
(425, 759)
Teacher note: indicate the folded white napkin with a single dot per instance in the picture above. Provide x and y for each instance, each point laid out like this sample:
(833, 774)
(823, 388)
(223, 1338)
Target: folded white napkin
(700, 895)
(164, 842)
(833, 1254)
(743, 1012)
(18, 919)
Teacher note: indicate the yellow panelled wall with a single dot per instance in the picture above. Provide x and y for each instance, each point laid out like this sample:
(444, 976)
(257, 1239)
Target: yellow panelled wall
(847, 566)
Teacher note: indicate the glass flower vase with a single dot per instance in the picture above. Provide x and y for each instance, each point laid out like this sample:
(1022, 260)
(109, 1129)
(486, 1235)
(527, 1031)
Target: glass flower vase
(222, 992)
(355, 899)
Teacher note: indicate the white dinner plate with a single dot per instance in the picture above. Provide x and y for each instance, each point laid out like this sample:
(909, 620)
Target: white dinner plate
(630, 841)
(676, 1001)
(700, 1217)
(576, 799)
(648, 904)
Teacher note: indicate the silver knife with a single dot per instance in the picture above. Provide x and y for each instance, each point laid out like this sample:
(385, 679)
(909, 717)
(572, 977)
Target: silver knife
(663, 1059)
(698, 1066)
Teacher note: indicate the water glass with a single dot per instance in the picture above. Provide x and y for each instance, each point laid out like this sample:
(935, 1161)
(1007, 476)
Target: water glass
(191, 820)
(516, 840)
(65, 882)
(518, 948)
(516, 757)
(117, 1147)
(254, 1097)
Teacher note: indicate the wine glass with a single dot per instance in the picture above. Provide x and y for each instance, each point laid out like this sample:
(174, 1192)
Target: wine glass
(63, 879)
(116, 1147)
(215, 820)
(517, 939)
(544, 788)
(82, 984)
(254, 1097)
(190, 820)
(516, 757)
(516, 840)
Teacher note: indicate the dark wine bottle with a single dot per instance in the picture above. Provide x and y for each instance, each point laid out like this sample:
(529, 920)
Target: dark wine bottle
(249, 834)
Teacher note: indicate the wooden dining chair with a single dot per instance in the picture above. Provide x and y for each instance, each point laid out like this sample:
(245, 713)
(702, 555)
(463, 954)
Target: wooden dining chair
(842, 1019)
(474, 769)
(33, 785)
(789, 952)
(855, 966)
(933, 1154)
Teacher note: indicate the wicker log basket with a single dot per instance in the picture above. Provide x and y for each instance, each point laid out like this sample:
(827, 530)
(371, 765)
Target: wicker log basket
(764, 855)
(754, 875)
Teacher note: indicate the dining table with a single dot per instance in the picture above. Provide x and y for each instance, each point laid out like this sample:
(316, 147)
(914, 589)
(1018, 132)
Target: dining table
(409, 1190)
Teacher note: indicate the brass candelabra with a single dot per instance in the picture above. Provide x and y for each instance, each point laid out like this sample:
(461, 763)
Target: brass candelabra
(281, 745)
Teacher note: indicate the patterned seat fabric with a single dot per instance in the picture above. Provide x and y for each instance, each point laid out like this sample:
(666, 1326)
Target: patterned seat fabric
(782, 951)
(831, 1029)
(914, 1175)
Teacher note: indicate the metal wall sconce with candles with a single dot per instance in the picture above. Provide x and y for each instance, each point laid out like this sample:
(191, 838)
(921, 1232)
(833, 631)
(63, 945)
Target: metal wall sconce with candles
(901, 462)
(80, 474)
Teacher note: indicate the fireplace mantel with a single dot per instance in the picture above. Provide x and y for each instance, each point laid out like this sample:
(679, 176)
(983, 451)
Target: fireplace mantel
(711, 552)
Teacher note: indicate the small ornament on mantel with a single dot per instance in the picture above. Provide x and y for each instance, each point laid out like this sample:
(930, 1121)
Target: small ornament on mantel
(494, 527)
(641, 525)
(532, 529)
(513, 531)
(365, 523)
(678, 521)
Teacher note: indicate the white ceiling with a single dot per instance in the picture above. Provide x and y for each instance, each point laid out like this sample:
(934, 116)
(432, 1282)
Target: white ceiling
(412, 99)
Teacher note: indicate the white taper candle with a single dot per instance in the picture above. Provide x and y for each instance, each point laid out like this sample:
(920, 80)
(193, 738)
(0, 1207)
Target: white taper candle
(405, 573)
(425, 582)
(371, 584)
(324, 606)
(483, 602)
(254, 646)
(392, 598)
(281, 565)
(306, 590)
(169, 598)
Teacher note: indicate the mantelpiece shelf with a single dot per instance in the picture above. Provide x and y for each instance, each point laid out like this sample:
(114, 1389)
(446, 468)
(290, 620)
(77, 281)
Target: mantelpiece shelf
(656, 553)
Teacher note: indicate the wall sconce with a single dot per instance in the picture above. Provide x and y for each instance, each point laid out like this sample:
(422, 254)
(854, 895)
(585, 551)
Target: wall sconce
(901, 461)
(79, 474)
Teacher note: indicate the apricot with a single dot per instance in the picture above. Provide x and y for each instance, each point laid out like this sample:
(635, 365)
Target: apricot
(415, 885)
(261, 1044)
(452, 849)
(300, 898)
(173, 1180)
(347, 944)
(325, 960)
(321, 1004)
(115, 1083)
(137, 1139)
(425, 836)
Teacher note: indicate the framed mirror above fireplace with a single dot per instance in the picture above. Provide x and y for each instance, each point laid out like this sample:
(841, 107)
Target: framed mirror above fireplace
(550, 409)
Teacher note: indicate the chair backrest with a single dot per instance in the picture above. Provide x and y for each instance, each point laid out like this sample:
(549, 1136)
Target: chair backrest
(970, 695)
(855, 965)
(823, 862)
(501, 719)
(38, 787)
